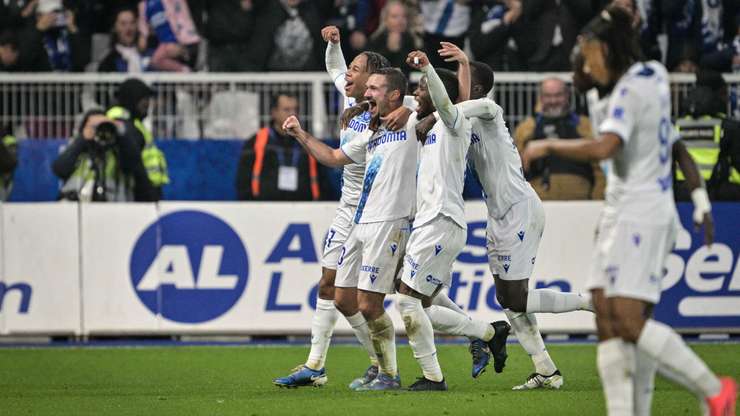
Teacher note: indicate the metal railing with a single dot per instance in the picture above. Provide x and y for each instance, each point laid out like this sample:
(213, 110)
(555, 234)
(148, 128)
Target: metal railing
(213, 105)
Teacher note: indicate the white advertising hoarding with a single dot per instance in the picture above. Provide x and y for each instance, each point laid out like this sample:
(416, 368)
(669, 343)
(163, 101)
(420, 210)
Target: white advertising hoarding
(41, 284)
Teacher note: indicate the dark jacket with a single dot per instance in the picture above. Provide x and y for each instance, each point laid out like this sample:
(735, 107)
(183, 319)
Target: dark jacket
(397, 58)
(540, 20)
(127, 149)
(489, 37)
(279, 149)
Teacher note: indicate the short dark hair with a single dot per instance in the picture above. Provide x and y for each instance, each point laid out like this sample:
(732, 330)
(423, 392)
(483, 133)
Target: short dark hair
(275, 98)
(481, 74)
(375, 61)
(613, 26)
(452, 85)
(395, 79)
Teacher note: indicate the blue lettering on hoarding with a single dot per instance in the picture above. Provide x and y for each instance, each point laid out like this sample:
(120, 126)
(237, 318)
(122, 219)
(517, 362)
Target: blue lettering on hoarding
(272, 302)
(189, 266)
(306, 251)
(23, 289)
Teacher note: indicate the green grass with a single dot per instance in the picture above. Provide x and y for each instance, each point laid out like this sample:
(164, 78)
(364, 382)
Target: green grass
(237, 380)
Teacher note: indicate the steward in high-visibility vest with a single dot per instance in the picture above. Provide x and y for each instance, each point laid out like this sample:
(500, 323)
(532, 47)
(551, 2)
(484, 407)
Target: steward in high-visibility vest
(712, 140)
(8, 162)
(133, 97)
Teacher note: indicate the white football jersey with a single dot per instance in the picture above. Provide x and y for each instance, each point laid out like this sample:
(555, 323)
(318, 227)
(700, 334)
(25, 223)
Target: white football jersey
(389, 177)
(494, 157)
(639, 183)
(441, 173)
(351, 174)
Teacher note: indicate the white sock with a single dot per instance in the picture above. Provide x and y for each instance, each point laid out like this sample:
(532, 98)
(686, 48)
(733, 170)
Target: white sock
(383, 336)
(449, 322)
(362, 332)
(644, 383)
(421, 336)
(443, 300)
(666, 347)
(548, 300)
(615, 360)
(525, 328)
(322, 327)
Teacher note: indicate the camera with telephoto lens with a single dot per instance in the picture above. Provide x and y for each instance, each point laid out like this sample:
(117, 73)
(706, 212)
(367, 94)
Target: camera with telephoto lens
(105, 134)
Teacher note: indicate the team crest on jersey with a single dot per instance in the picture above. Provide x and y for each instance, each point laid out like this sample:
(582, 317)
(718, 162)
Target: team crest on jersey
(366, 116)
(618, 113)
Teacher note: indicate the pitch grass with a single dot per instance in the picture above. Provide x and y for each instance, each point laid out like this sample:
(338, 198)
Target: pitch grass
(237, 381)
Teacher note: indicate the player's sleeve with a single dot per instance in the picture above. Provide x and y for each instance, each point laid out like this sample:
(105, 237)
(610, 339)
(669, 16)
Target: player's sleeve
(335, 65)
(356, 149)
(623, 111)
(483, 108)
(446, 109)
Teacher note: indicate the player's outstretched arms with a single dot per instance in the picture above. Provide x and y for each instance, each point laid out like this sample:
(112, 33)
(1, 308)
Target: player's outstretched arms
(335, 64)
(581, 150)
(702, 208)
(323, 153)
(446, 109)
(452, 53)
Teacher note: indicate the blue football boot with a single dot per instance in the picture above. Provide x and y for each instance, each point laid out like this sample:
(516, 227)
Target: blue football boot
(382, 382)
(479, 350)
(369, 376)
(302, 376)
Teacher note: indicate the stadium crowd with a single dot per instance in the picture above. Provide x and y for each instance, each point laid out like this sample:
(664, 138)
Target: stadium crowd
(130, 36)
(273, 35)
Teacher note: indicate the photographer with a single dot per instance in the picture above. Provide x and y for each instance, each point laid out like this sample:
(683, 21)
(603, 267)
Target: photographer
(103, 163)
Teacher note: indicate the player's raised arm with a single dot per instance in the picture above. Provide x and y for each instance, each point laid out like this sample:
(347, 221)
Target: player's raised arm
(483, 108)
(452, 53)
(702, 207)
(447, 111)
(335, 64)
(323, 153)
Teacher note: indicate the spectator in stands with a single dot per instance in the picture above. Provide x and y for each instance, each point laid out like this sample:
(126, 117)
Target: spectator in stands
(273, 166)
(102, 162)
(55, 30)
(355, 19)
(494, 30)
(393, 39)
(682, 20)
(9, 53)
(176, 36)
(8, 161)
(552, 26)
(727, 56)
(229, 28)
(125, 55)
(291, 36)
(444, 21)
(133, 99)
(647, 23)
(557, 178)
(712, 139)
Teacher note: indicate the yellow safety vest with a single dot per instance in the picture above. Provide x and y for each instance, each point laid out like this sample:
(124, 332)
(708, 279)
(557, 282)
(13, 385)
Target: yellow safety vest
(154, 160)
(702, 137)
(7, 180)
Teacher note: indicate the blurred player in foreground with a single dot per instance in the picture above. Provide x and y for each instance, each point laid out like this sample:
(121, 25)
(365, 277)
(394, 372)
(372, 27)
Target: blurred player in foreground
(638, 224)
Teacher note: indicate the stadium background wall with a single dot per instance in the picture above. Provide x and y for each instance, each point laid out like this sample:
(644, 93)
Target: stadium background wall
(252, 268)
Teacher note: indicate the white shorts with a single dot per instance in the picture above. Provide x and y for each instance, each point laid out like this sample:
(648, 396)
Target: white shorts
(629, 258)
(513, 239)
(371, 255)
(337, 235)
(432, 249)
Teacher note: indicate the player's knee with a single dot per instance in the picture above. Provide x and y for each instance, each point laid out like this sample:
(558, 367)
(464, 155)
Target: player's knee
(627, 328)
(370, 310)
(510, 302)
(345, 306)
